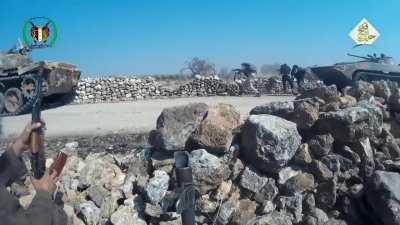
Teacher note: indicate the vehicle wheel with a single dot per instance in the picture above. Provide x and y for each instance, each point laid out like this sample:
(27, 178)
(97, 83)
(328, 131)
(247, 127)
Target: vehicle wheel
(13, 100)
(29, 87)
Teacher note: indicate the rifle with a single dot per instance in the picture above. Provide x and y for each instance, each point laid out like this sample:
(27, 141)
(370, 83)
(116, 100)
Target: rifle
(38, 160)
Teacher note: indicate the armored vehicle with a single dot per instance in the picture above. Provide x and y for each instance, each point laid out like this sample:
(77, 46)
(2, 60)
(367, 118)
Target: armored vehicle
(20, 77)
(369, 68)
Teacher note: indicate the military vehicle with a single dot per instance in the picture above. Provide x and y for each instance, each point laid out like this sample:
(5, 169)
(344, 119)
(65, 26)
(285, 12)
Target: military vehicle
(369, 68)
(19, 77)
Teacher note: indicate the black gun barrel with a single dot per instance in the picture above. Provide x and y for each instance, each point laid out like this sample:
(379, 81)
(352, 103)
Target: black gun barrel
(185, 181)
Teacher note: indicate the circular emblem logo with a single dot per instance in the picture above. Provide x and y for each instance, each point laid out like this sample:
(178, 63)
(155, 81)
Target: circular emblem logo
(39, 32)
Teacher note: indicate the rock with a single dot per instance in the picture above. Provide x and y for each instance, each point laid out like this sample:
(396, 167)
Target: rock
(223, 190)
(352, 124)
(305, 114)
(110, 203)
(394, 100)
(321, 145)
(309, 203)
(161, 160)
(274, 218)
(137, 172)
(89, 213)
(364, 150)
(72, 145)
(215, 132)
(326, 194)
(157, 186)
(333, 221)
(205, 205)
(382, 89)
(71, 216)
(97, 194)
(208, 170)
(281, 109)
(383, 194)
(363, 90)
(245, 212)
(346, 151)
(293, 205)
(102, 173)
(261, 187)
(287, 173)
(320, 171)
(136, 203)
(303, 156)
(299, 184)
(269, 142)
(347, 101)
(326, 93)
(227, 210)
(267, 207)
(175, 125)
(125, 215)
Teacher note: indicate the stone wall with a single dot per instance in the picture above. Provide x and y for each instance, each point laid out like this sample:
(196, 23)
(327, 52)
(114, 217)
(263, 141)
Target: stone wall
(92, 90)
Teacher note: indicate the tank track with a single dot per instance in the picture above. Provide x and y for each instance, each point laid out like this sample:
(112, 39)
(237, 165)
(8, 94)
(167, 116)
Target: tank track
(28, 102)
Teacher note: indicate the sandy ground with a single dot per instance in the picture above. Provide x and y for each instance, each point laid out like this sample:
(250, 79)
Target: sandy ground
(130, 117)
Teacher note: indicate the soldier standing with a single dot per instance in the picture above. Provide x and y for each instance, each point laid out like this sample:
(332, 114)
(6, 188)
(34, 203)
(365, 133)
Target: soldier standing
(285, 72)
(298, 73)
(249, 72)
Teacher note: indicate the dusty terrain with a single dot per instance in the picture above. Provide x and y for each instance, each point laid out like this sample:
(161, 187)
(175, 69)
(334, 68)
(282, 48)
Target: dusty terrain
(125, 117)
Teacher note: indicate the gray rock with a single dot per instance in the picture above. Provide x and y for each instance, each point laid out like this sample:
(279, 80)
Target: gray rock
(175, 125)
(208, 170)
(394, 100)
(383, 194)
(227, 210)
(382, 89)
(267, 207)
(305, 114)
(352, 124)
(287, 173)
(89, 213)
(281, 109)
(245, 212)
(303, 156)
(320, 171)
(261, 187)
(299, 184)
(161, 160)
(292, 205)
(125, 215)
(362, 90)
(136, 203)
(274, 218)
(321, 145)
(326, 194)
(157, 186)
(110, 204)
(269, 142)
(97, 194)
(327, 93)
(333, 221)
(309, 203)
(205, 205)
(364, 149)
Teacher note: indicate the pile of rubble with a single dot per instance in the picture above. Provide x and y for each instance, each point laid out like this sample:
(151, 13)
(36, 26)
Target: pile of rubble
(327, 158)
(94, 90)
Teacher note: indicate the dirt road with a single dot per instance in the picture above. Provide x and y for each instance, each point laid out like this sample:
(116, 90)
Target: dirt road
(132, 117)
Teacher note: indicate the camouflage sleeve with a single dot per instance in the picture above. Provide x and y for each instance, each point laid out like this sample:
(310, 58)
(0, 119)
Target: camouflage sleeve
(11, 167)
(40, 212)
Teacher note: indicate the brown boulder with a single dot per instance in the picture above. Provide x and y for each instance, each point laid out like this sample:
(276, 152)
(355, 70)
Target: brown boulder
(215, 132)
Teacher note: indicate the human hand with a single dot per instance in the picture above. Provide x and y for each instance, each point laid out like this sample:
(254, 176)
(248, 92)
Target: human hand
(22, 142)
(47, 183)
